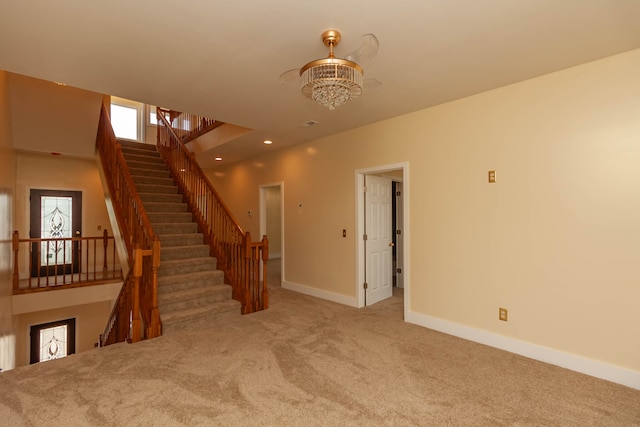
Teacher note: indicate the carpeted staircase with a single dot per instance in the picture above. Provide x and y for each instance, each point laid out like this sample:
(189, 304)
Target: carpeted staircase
(189, 285)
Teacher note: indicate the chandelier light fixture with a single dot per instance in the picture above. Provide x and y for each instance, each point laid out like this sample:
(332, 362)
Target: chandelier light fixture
(331, 81)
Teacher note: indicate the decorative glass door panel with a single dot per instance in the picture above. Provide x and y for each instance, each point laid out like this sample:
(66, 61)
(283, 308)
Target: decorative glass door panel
(56, 216)
(52, 340)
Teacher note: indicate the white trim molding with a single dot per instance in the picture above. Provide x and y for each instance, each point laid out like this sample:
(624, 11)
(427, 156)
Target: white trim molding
(594, 368)
(320, 293)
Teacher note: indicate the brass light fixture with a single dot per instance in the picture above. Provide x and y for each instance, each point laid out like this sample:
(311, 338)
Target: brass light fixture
(331, 81)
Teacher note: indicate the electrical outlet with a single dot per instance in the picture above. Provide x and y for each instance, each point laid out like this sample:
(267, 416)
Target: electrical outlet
(503, 314)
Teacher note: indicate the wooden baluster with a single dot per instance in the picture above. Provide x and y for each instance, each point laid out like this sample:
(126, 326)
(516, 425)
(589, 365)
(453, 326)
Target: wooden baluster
(105, 244)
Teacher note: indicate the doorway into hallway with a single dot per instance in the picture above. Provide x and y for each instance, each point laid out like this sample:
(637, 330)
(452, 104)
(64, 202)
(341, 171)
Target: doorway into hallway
(382, 224)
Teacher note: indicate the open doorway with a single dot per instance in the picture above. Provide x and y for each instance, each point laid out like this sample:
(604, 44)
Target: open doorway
(381, 253)
(272, 225)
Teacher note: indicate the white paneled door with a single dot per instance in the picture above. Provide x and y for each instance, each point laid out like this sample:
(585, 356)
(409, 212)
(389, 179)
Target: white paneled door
(378, 240)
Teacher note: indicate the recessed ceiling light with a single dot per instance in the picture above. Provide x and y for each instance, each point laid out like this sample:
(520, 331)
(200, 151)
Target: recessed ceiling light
(218, 159)
(268, 142)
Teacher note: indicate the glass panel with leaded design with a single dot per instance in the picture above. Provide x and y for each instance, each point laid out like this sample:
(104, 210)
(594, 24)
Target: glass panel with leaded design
(53, 343)
(56, 223)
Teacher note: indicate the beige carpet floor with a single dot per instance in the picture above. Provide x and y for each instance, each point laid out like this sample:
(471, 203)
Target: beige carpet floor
(309, 362)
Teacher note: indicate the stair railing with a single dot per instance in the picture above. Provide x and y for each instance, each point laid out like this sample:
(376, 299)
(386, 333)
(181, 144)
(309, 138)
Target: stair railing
(188, 126)
(136, 310)
(237, 255)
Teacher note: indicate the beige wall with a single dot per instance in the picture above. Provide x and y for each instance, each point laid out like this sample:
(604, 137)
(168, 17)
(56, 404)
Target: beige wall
(556, 240)
(48, 117)
(7, 202)
(90, 323)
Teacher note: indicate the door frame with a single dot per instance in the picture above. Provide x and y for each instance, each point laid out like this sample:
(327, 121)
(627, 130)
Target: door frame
(263, 219)
(359, 220)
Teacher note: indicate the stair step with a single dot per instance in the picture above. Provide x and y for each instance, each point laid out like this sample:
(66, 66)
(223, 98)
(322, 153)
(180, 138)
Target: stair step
(137, 145)
(177, 228)
(146, 165)
(143, 158)
(175, 217)
(181, 282)
(164, 207)
(168, 240)
(150, 172)
(183, 252)
(135, 151)
(191, 298)
(184, 266)
(153, 180)
(163, 189)
(161, 197)
(177, 318)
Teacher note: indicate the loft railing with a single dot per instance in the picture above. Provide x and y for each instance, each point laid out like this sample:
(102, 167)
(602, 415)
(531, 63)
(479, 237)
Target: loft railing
(138, 300)
(188, 127)
(237, 255)
(63, 263)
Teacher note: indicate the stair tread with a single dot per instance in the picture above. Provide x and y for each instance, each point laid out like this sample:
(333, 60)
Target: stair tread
(187, 261)
(183, 247)
(176, 278)
(190, 313)
(195, 292)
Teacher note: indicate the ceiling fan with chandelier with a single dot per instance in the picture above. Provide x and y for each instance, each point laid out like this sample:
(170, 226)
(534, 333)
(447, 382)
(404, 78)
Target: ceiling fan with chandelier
(332, 81)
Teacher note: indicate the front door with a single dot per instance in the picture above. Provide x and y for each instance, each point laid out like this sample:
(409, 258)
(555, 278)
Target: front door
(379, 241)
(55, 215)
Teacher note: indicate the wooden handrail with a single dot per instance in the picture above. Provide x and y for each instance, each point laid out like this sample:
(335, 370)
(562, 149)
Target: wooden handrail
(236, 254)
(139, 298)
(94, 261)
(186, 126)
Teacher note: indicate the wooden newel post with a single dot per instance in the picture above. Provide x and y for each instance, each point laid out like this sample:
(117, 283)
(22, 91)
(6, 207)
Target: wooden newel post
(247, 305)
(135, 314)
(265, 258)
(155, 313)
(16, 248)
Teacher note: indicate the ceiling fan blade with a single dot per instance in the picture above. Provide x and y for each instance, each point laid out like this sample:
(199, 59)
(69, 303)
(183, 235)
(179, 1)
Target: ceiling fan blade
(289, 75)
(371, 83)
(367, 50)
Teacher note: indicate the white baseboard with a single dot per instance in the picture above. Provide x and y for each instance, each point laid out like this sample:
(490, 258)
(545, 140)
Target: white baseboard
(275, 255)
(322, 294)
(594, 368)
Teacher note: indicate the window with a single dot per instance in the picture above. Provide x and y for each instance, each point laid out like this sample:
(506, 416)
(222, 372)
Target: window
(152, 120)
(127, 118)
(53, 340)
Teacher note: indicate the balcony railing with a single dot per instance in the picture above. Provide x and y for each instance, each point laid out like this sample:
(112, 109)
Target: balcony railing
(45, 264)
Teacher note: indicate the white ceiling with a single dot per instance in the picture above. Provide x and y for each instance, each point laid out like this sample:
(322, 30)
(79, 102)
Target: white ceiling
(224, 58)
